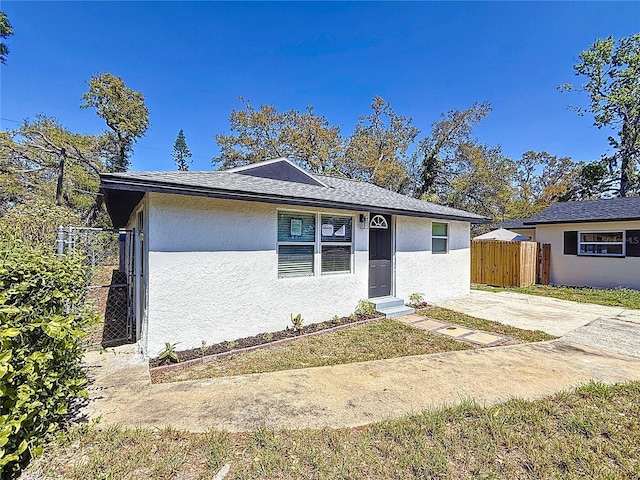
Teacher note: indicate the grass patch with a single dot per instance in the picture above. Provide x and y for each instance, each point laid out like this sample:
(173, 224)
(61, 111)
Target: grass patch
(591, 432)
(616, 297)
(475, 323)
(372, 341)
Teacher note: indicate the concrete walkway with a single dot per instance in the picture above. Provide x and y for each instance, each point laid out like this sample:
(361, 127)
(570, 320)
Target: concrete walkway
(457, 332)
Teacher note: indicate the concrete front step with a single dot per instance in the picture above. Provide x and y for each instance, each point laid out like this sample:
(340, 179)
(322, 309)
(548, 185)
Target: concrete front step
(386, 302)
(391, 307)
(395, 312)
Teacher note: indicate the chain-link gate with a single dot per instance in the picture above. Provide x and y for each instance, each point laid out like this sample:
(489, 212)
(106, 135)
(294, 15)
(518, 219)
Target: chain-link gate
(109, 254)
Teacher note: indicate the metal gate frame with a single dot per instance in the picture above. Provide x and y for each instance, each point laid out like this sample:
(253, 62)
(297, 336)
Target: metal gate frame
(90, 243)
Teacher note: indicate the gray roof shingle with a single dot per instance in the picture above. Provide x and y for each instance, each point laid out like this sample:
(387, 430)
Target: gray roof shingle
(338, 192)
(610, 209)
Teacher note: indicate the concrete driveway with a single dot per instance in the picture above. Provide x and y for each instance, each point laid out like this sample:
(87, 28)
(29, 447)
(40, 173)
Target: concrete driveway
(530, 312)
(360, 393)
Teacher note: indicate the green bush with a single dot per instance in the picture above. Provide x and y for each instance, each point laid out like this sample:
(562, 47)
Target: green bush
(36, 223)
(365, 307)
(40, 358)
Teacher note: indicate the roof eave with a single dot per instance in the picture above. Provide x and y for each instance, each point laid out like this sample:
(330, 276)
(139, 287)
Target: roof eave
(165, 187)
(583, 220)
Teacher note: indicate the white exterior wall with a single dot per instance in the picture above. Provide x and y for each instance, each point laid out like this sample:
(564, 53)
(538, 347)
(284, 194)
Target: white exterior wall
(212, 271)
(435, 275)
(603, 272)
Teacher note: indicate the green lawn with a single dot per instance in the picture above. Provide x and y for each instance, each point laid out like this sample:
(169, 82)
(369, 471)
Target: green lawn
(475, 323)
(592, 432)
(371, 341)
(618, 297)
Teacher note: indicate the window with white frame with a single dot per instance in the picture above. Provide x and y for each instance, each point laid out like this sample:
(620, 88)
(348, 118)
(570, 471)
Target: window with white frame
(302, 234)
(439, 237)
(296, 243)
(610, 243)
(335, 243)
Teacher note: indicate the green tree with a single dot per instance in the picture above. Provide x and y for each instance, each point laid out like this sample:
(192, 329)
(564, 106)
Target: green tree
(596, 179)
(124, 112)
(542, 179)
(376, 151)
(314, 143)
(5, 32)
(263, 134)
(42, 162)
(181, 153)
(437, 154)
(612, 70)
(482, 183)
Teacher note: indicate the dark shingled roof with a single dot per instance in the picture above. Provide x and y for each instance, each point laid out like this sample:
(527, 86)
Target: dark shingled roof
(512, 223)
(610, 209)
(123, 189)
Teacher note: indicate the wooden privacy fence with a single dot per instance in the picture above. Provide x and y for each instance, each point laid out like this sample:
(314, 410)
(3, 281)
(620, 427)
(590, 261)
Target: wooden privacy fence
(509, 264)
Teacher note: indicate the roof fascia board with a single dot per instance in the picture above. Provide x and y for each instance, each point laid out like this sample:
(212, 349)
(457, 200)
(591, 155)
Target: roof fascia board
(590, 220)
(256, 197)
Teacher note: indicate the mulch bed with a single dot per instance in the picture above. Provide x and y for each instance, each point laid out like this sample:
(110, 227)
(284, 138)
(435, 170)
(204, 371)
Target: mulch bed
(261, 339)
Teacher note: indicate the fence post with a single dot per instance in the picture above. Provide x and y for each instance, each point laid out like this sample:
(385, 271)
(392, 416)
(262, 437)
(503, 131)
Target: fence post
(60, 241)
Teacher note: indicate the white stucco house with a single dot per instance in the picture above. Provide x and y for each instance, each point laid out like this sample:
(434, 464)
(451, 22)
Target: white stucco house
(594, 243)
(226, 254)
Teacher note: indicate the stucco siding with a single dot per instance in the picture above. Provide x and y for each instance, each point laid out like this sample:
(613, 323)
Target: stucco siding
(212, 270)
(213, 273)
(604, 272)
(435, 275)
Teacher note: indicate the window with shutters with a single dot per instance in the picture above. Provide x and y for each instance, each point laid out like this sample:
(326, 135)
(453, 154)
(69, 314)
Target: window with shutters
(606, 244)
(302, 234)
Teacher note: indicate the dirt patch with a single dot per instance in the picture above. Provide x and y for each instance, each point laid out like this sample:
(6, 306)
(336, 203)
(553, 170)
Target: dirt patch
(265, 338)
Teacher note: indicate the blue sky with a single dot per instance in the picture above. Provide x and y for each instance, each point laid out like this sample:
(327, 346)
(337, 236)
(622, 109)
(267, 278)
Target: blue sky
(192, 60)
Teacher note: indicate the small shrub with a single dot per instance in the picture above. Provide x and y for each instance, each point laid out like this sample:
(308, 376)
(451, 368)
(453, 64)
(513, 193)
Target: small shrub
(168, 354)
(416, 300)
(296, 322)
(365, 307)
(40, 347)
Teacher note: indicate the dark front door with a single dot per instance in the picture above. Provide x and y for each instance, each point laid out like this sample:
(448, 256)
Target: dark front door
(379, 255)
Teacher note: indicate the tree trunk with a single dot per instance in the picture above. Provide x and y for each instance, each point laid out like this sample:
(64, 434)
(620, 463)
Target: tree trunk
(60, 184)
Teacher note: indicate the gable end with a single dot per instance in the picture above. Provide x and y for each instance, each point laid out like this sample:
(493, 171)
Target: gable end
(279, 169)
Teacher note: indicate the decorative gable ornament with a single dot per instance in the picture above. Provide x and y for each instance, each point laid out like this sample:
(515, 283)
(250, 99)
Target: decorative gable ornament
(378, 221)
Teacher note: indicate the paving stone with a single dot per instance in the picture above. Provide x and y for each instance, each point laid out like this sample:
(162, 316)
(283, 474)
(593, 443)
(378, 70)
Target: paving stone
(411, 319)
(483, 338)
(429, 324)
(454, 331)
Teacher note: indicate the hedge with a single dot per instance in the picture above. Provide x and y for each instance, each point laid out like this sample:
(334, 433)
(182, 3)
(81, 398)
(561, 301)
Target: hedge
(41, 350)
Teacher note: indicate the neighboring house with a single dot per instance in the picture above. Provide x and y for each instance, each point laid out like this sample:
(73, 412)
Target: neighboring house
(227, 254)
(518, 225)
(593, 243)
